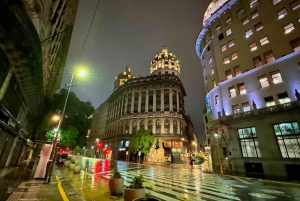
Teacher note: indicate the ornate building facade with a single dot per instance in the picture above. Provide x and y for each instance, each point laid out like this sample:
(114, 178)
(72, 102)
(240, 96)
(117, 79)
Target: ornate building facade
(251, 61)
(155, 102)
(30, 59)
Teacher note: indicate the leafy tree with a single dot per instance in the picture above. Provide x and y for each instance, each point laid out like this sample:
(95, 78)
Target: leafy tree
(75, 122)
(142, 141)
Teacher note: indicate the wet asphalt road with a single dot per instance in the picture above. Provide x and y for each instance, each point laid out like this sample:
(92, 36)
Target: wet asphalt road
(176, 184)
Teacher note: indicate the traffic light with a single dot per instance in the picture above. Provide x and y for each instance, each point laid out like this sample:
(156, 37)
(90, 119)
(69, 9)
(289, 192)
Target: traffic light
(99, 144)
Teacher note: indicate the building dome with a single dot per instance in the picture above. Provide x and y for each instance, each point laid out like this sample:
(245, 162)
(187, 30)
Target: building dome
(165, 63)
(123, 77)
(212, 8)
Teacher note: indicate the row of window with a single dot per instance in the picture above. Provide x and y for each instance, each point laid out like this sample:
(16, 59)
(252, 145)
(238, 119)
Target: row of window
(288, 139)
(281, 13)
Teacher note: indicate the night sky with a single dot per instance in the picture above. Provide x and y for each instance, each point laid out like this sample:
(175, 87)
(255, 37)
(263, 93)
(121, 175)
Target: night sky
(131, 33)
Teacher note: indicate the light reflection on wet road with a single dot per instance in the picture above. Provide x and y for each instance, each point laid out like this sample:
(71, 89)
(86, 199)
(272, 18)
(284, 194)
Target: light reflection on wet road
(174, 184)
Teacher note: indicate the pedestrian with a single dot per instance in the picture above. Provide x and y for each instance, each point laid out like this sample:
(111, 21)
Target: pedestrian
(192, 159)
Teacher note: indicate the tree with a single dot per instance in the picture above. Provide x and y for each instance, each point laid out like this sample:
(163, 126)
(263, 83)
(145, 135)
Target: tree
(75, 122)
(142, 141)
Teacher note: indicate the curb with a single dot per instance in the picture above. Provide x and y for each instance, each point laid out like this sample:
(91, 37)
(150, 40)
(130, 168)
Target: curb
(67, 189)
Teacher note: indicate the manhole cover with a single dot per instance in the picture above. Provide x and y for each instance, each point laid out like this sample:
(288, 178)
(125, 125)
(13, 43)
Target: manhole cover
(31, 184)
(10, 190)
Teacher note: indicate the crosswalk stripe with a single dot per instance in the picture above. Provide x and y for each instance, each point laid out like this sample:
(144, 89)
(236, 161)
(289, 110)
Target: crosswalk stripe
(192, 192)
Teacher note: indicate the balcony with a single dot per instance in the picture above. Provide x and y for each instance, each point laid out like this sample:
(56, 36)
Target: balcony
(291, 106)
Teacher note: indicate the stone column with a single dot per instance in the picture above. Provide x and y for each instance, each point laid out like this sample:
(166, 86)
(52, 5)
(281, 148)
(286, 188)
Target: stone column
(154, 100)
(138, 124)
(126, 103)
(5, 85)
(162, 105)
(171, 126)
(147, 102)
(153, 125)
(132, 103)
(146, 124)
(122, 105)
(139, 103)
(171, 99)
(178, 127)
(130, 127)
(162, 126)
(177, 97)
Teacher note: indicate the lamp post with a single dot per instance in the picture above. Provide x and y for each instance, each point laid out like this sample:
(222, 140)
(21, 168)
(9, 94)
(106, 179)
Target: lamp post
(56, 137)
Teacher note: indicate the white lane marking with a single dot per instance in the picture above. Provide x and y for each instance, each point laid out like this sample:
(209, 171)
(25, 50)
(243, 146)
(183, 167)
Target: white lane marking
(241, 180)
(262, 195)
(197, 193)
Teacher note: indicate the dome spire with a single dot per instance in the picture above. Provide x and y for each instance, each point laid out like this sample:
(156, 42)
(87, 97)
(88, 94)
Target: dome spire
(165, 50)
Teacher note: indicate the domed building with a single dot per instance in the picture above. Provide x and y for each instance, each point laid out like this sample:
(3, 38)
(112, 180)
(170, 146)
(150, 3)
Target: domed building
(155, 102)
(251, 61)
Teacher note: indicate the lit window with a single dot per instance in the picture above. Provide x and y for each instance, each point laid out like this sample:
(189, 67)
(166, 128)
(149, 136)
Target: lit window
(263, 81)
(212, 70)
(245, 20)
(295, 4)
(228, 20)
(288, 138)
(269, 56)
(232, 92)
(281, 13)
(276, 76)
(283, 98)
(226, 60)
(240, 11)
(258, 26)
(269, 101)
(214, 83)
(288, 27)
(254, 14)
(236, 109)
(276, 2)
(228, 74)
(237, 70)
(246, 107)
(234, 56)
(296, 44)
(216, 99)
(253, 46)
(228, 32)
(264, 40)
(249, 143)
(242, 88)
(218, 27)
(249, 33)
(257, 61)
(230, 43)
(223, 48)
(253, 3)
(209, 60)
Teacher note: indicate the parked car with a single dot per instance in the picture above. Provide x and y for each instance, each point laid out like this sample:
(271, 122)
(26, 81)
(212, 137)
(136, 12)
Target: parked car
(61, 158)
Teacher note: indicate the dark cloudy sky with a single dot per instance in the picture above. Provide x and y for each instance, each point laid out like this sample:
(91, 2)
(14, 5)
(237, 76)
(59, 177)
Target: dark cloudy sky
(132, 32)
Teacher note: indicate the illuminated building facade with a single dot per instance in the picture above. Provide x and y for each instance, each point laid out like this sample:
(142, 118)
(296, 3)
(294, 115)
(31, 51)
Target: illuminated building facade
(155, 102)
(251, 70)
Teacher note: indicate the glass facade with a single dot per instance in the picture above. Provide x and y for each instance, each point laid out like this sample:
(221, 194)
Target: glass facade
(249, 143)
(288, 137)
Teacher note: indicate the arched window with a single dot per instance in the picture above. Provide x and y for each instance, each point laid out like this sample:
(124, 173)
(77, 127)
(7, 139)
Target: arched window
(142, 124)
(150, 125)
(167, 126)
(175, 126)
(158, 126)
(127, 127)
(134, 127)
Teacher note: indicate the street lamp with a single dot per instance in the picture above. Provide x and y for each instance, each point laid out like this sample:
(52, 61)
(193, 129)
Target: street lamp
(53, 153)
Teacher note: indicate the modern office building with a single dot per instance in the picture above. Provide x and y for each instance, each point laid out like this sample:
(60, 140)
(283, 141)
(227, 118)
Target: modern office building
(155, 102)
(250, 55)
(29, 62)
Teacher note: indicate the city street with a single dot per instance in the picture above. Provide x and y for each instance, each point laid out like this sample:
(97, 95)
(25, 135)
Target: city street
(176, 184)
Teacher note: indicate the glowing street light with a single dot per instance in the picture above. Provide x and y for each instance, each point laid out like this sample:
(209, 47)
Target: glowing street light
(56, 137)
(56, 118)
